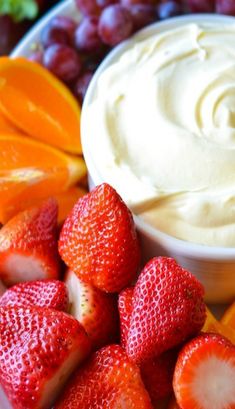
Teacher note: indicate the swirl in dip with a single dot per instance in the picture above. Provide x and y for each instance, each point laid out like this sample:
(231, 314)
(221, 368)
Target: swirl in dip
(162, 120)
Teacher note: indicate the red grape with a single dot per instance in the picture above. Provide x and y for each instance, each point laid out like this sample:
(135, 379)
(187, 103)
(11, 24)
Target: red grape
(225, 7)
(66, 24)
(201, 6)
(142, 15)
(86, 36)
(54, 35)
(168, 9)
(127, 3)
(115, 24)
(62, 61)
(82, 85)
(93, 7)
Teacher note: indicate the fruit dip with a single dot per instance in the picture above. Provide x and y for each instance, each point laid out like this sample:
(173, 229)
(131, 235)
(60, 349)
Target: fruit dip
(161, 122)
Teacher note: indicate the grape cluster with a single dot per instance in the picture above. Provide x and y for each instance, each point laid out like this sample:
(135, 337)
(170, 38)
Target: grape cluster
(72, 51)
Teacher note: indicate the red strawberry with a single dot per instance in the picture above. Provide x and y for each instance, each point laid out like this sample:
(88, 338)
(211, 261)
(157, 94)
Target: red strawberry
(28, 245)
(157, 373)
(125, 310)
(41, 293)
(99, 241)
(204, 376)
(39, 348)
(109, 380)
(94, 309)
(168, 308)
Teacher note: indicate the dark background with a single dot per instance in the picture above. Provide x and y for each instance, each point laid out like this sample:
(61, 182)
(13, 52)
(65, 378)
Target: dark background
(11, 32)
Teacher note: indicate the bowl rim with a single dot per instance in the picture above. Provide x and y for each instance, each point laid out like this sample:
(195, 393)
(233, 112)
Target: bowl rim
(24, 43)
(174, 244)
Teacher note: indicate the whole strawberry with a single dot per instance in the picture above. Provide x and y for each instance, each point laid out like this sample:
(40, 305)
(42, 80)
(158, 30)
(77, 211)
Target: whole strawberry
(99, 241)
(41, 293)
(28, 245)
(168, 308)
(39, 349)
(109, 380)
(157, 372)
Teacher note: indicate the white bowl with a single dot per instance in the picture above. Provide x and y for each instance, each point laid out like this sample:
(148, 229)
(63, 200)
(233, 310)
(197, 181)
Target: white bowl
(213, 266)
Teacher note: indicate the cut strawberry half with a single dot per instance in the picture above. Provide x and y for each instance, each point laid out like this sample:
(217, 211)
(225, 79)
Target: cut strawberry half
(41, 293)
(204, 376)
(28, 245)
(94, 309)
(39, 349)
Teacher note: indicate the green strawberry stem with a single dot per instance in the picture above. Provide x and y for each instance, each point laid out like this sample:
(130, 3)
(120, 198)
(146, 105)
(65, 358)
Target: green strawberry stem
(19, 10)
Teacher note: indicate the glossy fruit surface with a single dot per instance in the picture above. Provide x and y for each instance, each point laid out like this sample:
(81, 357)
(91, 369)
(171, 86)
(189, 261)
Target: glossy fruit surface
(39, 349)
(108, 380)
(168, 308)
(204, 375)
(115, 25)
(41, 293)
(99, 242)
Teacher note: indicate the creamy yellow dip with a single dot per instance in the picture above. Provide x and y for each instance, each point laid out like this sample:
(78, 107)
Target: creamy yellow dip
(162, 122)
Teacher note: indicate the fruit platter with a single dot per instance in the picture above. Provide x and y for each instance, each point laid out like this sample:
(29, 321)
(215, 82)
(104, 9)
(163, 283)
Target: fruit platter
(117, 225)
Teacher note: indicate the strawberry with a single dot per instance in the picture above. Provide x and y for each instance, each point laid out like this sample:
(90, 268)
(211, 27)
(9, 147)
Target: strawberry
(125, 310)
(94, 309)
(28, 245)
(108, 380)
(204, 376)
(39, 349)
(157, 372)
(41, 293)
(99, 241)
(168, 308)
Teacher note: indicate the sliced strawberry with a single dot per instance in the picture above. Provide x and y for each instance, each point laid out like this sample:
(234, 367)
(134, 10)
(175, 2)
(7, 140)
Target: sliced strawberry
(109, 380)
(125, 310)
(204, 376)
(41, 293)
(99, 241)
(28, 245)
(39, 349)
(94, 309)
(157, 373)
(168, 308)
